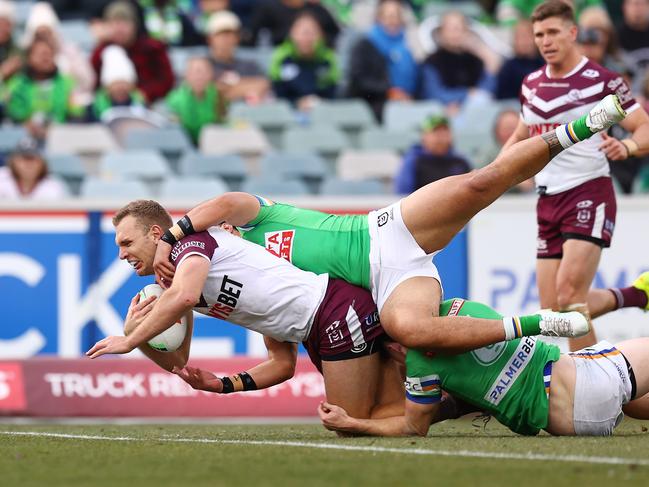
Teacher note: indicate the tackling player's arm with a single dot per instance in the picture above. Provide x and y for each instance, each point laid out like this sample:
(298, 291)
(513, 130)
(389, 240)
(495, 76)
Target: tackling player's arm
(179, 299)
(637, 145)
(416, 421)
(235, 208)
(279, 367)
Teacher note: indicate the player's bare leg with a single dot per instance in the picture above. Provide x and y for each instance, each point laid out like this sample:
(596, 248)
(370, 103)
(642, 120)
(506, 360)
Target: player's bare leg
(600, 302)
(354, 383)
(636, 352)
(574, 277)
(638, 409)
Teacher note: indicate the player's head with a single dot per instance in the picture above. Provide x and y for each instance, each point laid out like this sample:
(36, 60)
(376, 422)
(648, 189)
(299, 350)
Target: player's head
(555, 31)
(138, 227)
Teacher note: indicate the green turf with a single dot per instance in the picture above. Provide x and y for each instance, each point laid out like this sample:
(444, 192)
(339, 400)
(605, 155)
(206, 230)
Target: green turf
(42, 461)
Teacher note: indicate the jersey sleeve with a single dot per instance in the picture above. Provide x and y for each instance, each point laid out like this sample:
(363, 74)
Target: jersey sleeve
(423, 386)
(266, 207)
(200, 243)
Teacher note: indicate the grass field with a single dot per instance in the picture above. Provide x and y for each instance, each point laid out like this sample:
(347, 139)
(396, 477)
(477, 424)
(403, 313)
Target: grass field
(454, 453)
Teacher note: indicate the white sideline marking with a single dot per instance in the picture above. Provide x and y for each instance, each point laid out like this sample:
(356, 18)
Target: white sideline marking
(334, 446)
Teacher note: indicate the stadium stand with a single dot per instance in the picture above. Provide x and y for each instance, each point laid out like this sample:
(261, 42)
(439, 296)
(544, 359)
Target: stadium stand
(249, 142)
(308, 167)
(400, 115)
(335, 186)
(70, 168)
(327, 141)
(354, 164)
(172, 142)
(192, 188)
(271, 187)
(93, 187)
(230, 168)
(351, 116)
(380, 138)
(87, 140)
(272, 117)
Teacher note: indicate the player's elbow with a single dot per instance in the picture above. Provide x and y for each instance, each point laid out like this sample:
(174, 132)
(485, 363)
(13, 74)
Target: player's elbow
(186, 300)
(483, 180)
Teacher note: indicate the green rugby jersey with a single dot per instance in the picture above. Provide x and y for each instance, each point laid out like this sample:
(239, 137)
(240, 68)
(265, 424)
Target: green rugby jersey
(505, 379)
(314, 241)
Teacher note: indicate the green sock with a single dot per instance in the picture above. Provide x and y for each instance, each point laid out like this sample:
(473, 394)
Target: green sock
(521, 326)
(531, 325)
(580, 128)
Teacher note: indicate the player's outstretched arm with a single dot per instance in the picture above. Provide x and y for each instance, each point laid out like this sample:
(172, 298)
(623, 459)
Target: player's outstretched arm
(235, 208)
(179, 299)
(279, 367)
(415, 422)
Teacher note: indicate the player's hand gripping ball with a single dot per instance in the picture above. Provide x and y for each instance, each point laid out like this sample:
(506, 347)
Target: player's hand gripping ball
(170, 339)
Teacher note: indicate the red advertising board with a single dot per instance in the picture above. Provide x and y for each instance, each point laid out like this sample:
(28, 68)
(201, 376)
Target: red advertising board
(55, 387)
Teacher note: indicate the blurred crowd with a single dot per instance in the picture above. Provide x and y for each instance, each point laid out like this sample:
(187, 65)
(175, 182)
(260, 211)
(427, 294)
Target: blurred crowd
(306, 52)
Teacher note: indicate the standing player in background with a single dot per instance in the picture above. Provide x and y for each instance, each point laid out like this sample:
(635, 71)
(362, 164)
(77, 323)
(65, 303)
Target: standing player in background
(390, 251)
(576, 207)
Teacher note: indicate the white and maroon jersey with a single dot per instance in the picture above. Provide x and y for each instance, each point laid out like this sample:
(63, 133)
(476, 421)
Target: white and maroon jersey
(549, 102)
(249, 286)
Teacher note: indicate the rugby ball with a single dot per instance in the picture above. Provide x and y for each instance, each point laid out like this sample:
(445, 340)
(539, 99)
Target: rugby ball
(170, 339)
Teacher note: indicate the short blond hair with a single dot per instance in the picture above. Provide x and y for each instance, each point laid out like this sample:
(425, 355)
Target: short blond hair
(146, 212)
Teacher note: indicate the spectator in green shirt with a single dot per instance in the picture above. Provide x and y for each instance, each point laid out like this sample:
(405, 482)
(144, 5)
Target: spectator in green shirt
(40, 94)
(197, 102)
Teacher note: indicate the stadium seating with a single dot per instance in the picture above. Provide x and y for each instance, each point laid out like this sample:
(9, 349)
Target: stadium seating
(9, 138)
(350, 116)
(380, 164)
(249, 142)
(172, 142)
(273, 118)
(310, 168)
(70, 168)
(146, 165)
(272, 187)
(325, 140)
(88, 140)
(230, 168)
(399, 115)
(116, 189)
(178, 56)
(196, 189)
(335, 186)
(379, 138)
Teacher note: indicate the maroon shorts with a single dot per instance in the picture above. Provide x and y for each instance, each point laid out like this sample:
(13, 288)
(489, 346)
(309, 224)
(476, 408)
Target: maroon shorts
(585, 212)
(346, 325)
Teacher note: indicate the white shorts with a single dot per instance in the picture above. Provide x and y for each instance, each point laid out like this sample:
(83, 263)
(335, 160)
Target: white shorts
(395, 256)
(602, 388)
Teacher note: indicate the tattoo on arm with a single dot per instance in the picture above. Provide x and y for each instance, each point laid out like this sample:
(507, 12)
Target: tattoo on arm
(553, 143)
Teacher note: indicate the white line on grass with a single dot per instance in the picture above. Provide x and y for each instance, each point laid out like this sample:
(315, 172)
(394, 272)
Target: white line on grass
(335, 446)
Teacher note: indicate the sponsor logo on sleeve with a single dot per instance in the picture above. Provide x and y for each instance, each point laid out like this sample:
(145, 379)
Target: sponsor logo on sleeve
(423, 386)
(179, 248)
(280, 243)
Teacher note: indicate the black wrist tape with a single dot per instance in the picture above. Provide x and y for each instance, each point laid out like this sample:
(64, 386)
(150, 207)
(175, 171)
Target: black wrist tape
(228, 386)
(248, 382)
(185, 225)
(168, 237)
